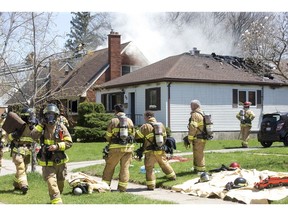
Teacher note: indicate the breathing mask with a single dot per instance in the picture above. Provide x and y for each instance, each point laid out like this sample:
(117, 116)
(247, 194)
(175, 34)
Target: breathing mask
(50, 118)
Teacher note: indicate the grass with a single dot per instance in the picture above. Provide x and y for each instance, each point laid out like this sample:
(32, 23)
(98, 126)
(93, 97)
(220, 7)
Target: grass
(274, 158)
(38, 194)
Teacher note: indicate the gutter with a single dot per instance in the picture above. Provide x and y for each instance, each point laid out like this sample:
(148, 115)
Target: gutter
(191, 80)
(169, 104)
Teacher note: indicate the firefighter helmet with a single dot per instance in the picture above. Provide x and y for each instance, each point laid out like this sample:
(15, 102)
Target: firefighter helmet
(51, 108)
(234, 165)
(26, 111)
(240, 182)
(26, 114)
(3, 115)
(204, 177)
(247, 104)
(77, 191)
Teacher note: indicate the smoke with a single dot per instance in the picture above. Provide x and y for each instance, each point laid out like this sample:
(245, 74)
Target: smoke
(158, 40)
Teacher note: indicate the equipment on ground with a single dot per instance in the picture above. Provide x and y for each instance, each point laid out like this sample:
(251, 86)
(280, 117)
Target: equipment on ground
(77, 191)
(234, 165)
(240, 182)
(204, 177)
(271, 182)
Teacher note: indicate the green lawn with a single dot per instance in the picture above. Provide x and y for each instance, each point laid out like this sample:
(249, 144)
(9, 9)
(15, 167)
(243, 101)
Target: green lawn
(274, 158)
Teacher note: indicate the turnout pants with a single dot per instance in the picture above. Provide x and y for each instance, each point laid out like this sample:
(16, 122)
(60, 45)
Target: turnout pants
(55, 178)
(1, 156)
(116, 155)
(198, 154)
(21, 162)
(152, 157)
(245, 132)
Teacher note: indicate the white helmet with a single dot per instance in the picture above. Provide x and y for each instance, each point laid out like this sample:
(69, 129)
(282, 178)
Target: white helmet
(204, 177)
(77, 191)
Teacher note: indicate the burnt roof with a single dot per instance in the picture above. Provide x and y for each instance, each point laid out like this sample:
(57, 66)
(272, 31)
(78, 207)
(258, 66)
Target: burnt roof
(195, 68)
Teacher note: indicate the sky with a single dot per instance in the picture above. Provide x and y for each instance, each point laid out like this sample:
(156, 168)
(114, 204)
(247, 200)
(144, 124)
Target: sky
(136, 26)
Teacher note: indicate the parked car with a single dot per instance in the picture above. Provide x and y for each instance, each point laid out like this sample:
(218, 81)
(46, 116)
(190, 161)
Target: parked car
(273, 128)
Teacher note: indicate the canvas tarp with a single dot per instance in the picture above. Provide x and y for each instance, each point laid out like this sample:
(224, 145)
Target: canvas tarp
(248, 194)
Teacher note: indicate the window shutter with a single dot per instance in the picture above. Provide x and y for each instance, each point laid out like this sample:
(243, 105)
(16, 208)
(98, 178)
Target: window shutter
(234, 98)
(259, 98)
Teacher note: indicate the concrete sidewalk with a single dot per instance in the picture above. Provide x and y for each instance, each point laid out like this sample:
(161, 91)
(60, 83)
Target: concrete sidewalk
(160, 194)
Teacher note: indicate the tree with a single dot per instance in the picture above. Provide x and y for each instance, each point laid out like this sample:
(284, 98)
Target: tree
(87, 31)
(28, 44)
(266, 43)
(213, 27)
(92, 122)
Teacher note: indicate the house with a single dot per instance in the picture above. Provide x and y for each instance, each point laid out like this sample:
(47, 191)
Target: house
(221, 83)
(71, 79)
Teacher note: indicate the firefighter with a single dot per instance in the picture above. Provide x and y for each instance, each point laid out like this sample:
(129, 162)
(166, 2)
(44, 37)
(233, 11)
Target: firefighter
(21, 149)
(245, 116)
(153, 153)
(195, 129)
(3, 137)
(55, 139)
(120, 136)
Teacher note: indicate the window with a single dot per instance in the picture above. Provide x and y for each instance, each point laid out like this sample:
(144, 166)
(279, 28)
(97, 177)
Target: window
(153, 99)
(110, 100)
(73, 106)
(128, 69)
(240, 96)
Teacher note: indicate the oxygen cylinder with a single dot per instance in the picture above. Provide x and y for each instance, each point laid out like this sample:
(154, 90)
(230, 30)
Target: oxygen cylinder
(209, 124)
(242, 115)
(158, 133)
(123, 127)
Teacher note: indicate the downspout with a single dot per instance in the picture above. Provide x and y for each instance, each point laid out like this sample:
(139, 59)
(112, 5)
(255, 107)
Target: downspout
(169, 110)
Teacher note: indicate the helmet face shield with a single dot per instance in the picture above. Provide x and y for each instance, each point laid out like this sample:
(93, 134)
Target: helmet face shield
(50, 118)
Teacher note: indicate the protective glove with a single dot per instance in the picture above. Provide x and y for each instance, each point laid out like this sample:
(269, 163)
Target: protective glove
(16, 134)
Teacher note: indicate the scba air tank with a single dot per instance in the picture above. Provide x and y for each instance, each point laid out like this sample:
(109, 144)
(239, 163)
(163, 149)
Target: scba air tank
(158, 133)
(123, 127)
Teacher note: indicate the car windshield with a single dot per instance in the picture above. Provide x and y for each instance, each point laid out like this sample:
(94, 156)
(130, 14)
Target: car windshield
(272, 118)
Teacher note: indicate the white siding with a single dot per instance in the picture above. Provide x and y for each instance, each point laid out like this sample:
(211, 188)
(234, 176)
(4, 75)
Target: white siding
(216, 99)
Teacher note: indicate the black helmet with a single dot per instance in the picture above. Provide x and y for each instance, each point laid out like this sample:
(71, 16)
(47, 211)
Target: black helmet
(204, 177)
(51, 108)
(240, 182)
(26, 111)
(27, 114)
(3, 115)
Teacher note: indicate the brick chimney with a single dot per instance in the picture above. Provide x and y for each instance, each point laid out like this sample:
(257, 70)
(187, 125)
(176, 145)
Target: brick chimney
(114, 57)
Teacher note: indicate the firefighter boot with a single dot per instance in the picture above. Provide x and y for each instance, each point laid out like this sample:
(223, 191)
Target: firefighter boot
(24, 190)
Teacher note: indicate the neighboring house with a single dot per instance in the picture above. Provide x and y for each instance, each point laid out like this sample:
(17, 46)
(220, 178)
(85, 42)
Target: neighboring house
(221, 83)
(71, 80)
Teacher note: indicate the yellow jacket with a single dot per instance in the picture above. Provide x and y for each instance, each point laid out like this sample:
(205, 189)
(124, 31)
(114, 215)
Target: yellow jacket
(196, 124)
(62, 140)
(113, 130)
(146, 132)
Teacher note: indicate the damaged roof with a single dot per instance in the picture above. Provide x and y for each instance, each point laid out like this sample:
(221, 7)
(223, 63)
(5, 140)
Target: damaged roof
(195, 68)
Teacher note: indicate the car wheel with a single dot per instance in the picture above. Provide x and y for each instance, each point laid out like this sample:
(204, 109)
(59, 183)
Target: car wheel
(266, 144)
(286, 140)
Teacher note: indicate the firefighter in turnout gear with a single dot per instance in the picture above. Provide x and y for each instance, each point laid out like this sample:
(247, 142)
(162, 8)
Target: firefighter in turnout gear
(245, 116)
(195, 129)
(3, 137)
(21, 147)
(120, 136)
(55, 140)
(153, 150)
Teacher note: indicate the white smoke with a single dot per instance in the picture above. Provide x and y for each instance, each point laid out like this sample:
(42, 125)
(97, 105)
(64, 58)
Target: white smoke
(160, 41)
